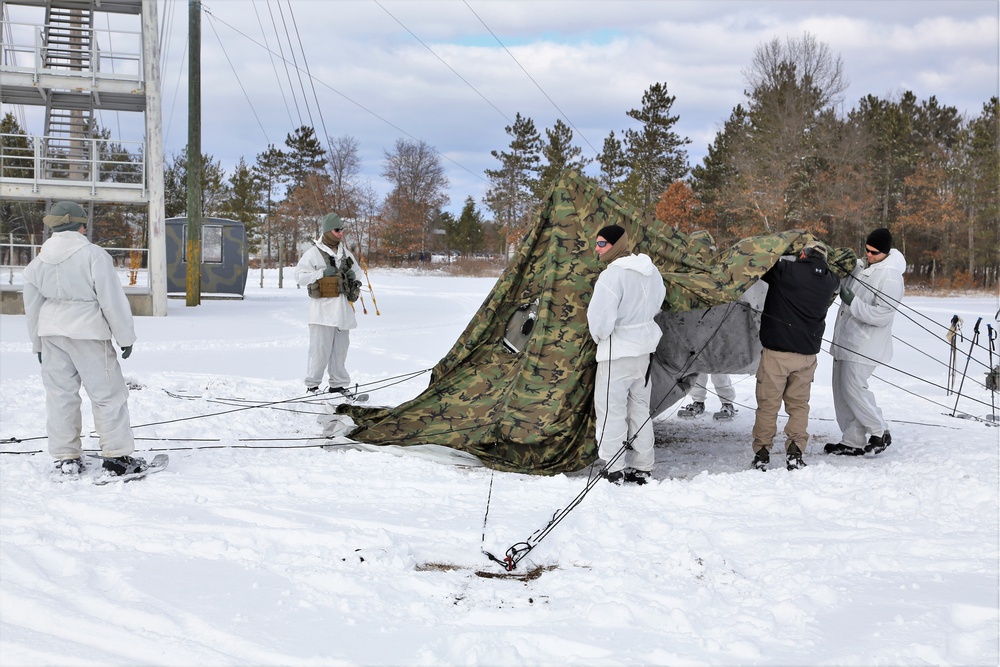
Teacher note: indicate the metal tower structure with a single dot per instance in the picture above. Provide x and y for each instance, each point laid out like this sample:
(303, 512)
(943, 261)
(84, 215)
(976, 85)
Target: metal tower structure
(66, 62)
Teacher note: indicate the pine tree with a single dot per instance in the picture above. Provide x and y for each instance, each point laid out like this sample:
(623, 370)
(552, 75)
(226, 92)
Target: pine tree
(614, 164)
(245, 202)
(512, 193)
(214, 189)
(305, 155)
(269, 172)
(466, 234)
(560, 154)
(654, 153)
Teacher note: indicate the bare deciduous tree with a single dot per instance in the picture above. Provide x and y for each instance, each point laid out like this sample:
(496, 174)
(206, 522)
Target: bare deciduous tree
(343, 165)
(418, 191)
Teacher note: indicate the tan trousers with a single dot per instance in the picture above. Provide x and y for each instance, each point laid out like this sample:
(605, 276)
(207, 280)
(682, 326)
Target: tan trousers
(783, 376)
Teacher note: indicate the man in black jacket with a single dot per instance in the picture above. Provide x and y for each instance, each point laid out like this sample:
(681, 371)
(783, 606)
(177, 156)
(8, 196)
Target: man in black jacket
(791, 331)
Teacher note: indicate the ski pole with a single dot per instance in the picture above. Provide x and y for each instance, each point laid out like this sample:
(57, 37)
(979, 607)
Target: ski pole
(364, 267)
(953, 333)
(972, 346)
(991, 334)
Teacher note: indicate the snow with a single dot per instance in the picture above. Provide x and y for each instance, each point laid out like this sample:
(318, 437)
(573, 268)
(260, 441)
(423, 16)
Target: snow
(256, 546)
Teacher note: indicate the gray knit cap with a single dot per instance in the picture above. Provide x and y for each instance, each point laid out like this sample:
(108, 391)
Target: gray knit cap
(65, 216)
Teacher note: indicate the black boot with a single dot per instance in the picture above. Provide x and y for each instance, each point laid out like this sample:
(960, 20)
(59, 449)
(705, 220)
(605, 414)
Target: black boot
(877, 444)
(615, 477)
(841, 449)
(640, 477)
(793, 457)
(761, 459)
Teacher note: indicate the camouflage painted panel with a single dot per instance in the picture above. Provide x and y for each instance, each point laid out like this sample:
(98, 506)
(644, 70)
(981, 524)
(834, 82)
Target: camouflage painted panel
(532, 412)
(224, 256)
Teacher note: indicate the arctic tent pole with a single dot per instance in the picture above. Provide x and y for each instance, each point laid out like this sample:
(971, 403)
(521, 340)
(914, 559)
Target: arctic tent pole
(972, 346)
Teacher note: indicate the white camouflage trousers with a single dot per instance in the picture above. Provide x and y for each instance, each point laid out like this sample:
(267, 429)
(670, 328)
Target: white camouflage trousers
(854, 403)
(721, 382)
(66, 364)
(328, 353)
(621, 405)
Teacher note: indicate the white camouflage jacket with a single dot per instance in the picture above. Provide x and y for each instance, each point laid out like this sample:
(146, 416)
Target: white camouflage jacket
(72, 289)
(333, 311)
(863, 332)
(627, 296)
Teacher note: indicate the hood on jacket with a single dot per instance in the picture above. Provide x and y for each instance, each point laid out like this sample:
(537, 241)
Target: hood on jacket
(639, 263)
(61, 245)
(894, 262)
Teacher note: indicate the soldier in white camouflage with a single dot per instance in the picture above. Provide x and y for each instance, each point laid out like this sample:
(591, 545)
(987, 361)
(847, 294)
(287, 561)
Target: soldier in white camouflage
(627, 296)
(331, 318)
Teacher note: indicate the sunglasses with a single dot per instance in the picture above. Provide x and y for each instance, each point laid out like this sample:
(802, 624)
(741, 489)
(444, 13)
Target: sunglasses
(602, 244)
(869, 251)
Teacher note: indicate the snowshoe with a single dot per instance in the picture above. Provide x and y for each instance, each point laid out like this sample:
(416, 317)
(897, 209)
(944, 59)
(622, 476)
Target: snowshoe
(761, 459)
(840, 449)
(695, 409)
(128, 468)
(124, 465)
(793, 458)
(726, 413)
(348, 394)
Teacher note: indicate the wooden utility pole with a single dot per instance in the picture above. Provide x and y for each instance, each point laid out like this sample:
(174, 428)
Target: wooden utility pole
(194, 155)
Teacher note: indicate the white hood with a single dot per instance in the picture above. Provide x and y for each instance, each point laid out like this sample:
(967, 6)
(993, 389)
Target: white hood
(61, 246)
(639, 263)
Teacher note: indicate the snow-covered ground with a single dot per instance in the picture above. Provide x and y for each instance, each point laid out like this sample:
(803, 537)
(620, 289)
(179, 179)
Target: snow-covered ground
(258, 547)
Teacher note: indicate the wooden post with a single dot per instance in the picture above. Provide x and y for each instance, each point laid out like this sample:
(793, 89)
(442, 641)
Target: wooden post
(281, 262)
(194, 155)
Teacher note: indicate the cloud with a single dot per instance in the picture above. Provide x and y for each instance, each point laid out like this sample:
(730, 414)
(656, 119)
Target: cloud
(435, 70)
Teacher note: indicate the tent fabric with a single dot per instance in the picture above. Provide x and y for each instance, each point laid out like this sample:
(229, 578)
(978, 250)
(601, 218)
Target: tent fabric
(528, 406)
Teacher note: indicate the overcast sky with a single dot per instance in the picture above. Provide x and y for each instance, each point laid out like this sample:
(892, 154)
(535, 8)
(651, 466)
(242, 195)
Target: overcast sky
(454, 73)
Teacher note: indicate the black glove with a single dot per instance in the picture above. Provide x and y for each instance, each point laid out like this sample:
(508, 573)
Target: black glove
(329, 272)
(846, 295)
(352, 276)
(39, 357)
(126, 351)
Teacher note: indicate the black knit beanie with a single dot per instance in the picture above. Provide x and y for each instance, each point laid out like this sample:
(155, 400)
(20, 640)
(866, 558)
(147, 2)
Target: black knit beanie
(880, 239)
(611, 233)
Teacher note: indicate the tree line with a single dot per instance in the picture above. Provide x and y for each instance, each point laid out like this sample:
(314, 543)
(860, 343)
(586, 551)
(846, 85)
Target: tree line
(788, 157)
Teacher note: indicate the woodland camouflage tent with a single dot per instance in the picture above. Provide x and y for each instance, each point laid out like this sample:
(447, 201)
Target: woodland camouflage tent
(516, 389)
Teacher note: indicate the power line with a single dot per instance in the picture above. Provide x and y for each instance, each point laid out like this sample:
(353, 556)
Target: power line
(291, 88)
(551, 101)
(502, 114)
(177, 85)
(274, 67)
(295, 66)
(347, 97)
(228, 60)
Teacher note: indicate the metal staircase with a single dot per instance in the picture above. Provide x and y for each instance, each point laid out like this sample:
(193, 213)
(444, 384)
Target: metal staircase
(68, 45)
(55, 56)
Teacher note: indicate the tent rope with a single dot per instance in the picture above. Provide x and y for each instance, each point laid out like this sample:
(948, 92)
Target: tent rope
(517, 551)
